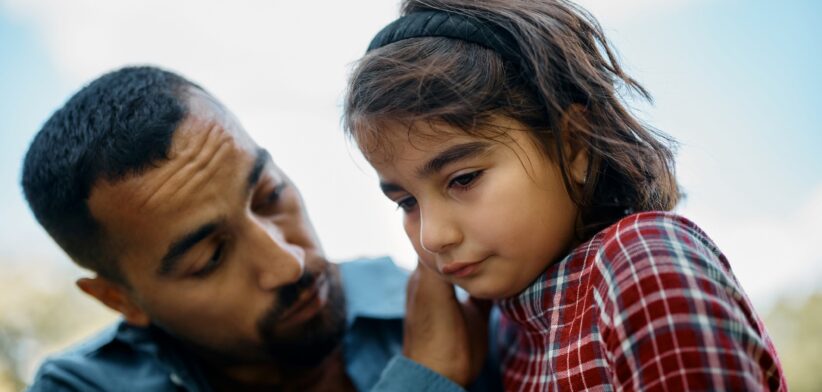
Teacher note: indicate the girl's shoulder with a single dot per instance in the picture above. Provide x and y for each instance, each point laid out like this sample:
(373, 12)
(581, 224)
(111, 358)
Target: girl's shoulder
(654, 231)
(658, 241)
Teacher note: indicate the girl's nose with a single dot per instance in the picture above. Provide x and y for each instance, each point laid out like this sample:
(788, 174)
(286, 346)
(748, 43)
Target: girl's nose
(439, 231)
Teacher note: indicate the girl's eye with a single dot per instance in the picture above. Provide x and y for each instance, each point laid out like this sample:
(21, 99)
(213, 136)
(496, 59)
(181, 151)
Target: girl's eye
(465, 181)
(407, 204)
(212, 263)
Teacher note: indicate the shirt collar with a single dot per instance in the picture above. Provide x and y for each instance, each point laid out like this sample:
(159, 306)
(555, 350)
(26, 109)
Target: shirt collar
(374, 288)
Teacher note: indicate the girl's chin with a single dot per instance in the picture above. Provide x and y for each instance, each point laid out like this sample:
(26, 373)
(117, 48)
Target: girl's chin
(480, 288)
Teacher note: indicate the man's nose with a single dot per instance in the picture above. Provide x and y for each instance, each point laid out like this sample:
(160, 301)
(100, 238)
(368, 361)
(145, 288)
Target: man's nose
(439, 230)
(275, 261)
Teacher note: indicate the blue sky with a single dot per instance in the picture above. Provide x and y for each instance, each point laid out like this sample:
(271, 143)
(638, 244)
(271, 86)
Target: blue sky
(737, 82)
(754, 68)
(31, 89)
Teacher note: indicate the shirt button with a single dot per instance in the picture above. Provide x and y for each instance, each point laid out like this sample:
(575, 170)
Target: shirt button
(176, 380)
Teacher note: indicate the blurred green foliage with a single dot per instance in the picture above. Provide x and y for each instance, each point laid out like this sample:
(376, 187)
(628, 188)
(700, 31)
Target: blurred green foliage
(795, 324)
(41, 311)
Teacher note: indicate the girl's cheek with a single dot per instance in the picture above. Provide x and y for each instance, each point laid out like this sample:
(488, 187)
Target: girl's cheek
(425, 256)
(412, 231)
(428, 261)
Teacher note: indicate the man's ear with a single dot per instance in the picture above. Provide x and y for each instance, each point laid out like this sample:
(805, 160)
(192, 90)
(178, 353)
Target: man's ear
(575, 134)
(116, 297)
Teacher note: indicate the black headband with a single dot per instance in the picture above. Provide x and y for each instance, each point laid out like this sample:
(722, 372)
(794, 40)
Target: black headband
(486, 33)
(449, 25)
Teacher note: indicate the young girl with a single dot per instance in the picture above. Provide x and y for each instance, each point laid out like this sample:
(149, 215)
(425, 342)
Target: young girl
(498, 128)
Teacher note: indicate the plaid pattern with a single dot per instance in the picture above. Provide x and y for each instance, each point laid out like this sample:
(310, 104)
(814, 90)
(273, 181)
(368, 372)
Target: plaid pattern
(648, 304)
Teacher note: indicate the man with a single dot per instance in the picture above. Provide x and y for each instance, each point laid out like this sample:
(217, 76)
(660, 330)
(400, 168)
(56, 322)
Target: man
(203, 245)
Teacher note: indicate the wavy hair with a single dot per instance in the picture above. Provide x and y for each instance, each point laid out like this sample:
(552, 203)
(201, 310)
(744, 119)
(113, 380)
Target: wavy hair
(568, 73)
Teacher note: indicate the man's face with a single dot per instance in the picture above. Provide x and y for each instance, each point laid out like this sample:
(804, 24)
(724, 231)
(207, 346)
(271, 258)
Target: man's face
(217, 248)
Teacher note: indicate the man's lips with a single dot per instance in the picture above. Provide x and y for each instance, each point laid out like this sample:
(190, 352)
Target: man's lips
(309, 302)
(460, 269)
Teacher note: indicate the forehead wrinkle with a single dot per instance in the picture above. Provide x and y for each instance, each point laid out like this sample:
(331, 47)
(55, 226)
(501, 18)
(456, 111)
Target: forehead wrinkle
(195, 155)
(134, 192)
(207, 170)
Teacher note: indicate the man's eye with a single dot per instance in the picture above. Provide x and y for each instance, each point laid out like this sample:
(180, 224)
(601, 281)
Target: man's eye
(269, 200)
(407, 204)
(213, 262)
(466, 180)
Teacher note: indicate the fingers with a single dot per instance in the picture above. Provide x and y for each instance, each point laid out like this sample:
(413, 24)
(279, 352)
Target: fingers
(436, 335)
(432, 287)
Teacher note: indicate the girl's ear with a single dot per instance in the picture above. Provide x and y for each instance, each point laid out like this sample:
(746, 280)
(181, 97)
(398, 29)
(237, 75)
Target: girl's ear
(116, 297)
(575, 132)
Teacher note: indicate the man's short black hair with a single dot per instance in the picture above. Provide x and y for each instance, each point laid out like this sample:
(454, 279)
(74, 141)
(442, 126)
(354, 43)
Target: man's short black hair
(118, 125)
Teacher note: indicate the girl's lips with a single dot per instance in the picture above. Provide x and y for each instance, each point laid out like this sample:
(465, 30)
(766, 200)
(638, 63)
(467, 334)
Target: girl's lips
(460, 269)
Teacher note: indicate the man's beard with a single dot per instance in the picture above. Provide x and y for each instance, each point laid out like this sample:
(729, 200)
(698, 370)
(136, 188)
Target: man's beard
(306, 345)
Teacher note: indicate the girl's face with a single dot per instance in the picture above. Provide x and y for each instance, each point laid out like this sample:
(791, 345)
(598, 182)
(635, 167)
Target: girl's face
(487, 215)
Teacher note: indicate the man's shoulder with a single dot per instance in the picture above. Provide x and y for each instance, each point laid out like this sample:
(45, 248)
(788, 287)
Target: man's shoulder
(73, 368)
(374, 288)
(110, 360)
(364, 268)
(91, 346)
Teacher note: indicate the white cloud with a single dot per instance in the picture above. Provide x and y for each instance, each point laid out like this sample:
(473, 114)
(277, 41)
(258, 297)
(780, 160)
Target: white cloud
(770, 255)
(247, 43)
(280, 66)
(295, 50)
(610, 11)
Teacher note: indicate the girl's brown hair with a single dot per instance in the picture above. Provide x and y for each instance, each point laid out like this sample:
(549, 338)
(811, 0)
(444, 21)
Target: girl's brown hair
(567, 90)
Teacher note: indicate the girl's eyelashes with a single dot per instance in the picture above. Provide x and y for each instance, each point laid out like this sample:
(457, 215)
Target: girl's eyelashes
(465, 181)
(407, 203)
(213, 262)
(462, 182)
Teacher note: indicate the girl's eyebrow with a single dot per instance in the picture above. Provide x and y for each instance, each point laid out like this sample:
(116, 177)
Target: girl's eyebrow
(452, 154)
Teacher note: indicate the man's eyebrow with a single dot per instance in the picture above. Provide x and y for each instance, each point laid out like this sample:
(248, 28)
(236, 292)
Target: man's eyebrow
(388, 187)
(452, 154)
(179, 247)
(262, 158)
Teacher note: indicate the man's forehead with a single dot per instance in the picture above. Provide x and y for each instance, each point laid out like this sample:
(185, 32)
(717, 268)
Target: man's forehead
(206, 116)
(208, 155)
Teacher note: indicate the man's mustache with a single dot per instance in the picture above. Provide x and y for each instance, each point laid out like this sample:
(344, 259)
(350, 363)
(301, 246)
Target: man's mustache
(288, 295)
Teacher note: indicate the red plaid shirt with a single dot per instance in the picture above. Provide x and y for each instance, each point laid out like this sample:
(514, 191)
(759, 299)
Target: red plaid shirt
(649, 303)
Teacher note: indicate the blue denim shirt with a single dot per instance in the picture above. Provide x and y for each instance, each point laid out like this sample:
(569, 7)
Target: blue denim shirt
(127, 358)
